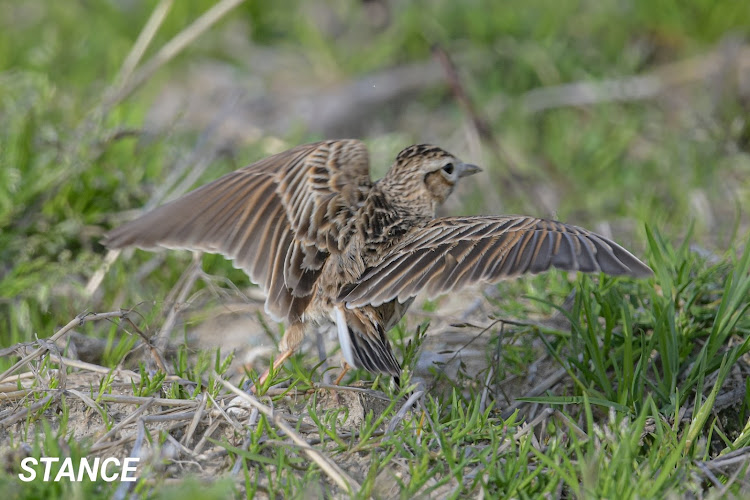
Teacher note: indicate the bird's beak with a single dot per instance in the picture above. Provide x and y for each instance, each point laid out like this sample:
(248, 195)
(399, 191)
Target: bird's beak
(467, 169)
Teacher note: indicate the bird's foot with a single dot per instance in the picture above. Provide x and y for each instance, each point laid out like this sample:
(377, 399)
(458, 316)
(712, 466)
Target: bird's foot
(276, 365)
(344, 370)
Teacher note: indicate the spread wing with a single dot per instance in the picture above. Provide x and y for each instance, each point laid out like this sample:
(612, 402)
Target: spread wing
(451, 252)
(278, 219)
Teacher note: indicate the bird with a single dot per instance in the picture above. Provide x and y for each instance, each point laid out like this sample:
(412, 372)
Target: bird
(329, 245)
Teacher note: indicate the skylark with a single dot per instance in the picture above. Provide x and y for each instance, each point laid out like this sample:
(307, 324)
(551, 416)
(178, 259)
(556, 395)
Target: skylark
(328, 244)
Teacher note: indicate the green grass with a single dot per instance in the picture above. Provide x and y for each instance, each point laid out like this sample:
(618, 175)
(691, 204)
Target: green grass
(655, 392)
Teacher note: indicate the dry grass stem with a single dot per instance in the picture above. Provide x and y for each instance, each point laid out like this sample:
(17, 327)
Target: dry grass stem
(639, 87)
(145, 37)
(173, 47)
(137, 413)
(182, 289)
(331, 469)
(21, 414)
(79, 320)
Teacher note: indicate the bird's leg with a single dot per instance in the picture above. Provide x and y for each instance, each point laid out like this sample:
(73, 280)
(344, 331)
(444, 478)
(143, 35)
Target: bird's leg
(289, 343)
(344, 370)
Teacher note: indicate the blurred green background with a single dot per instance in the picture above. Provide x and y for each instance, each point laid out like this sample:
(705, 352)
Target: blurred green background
(606, 114)
(601, 113)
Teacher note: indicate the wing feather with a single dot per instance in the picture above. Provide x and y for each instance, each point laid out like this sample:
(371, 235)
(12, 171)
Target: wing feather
(278, 219)
(449, 253)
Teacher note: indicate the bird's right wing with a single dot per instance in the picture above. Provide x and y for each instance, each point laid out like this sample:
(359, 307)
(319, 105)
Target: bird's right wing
(278, 219)
(452, 252)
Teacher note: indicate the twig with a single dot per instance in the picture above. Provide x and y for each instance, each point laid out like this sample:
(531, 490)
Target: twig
(195, 422)
(363, 390)
(484, 329)
(710, 475)
(224, 414)
(184, 415)
(78, 321)
(22, 414)
(83, 365)
(571, 424)
(332, 470)
(89, 402)
(20, 376)
(126, 421)
(239, 459)
(527, 428)
(179, 446)
(116, 398)
(14, 395)
(204, 439)
(741, 455)
(408, 405)
(539, 389)
(723, 400)
(513, 178)
(348, 435)
(126, 439)
(135, 452)
(158, 358)
(185, 284)
(479, 123)
(486, 389)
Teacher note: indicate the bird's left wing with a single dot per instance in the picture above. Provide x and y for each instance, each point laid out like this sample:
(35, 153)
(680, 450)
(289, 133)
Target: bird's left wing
(452, 252)
(278, 219)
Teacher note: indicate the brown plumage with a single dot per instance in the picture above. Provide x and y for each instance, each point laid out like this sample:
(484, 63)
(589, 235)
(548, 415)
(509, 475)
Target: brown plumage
(327, 244)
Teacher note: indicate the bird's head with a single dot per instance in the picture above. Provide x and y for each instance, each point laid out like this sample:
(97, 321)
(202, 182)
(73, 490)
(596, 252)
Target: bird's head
(425, 175)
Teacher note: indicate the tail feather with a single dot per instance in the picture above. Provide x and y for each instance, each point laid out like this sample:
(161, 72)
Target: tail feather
(364, 343)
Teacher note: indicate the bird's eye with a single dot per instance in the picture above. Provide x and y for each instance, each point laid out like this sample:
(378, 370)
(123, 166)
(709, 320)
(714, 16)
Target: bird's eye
(448, 169)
